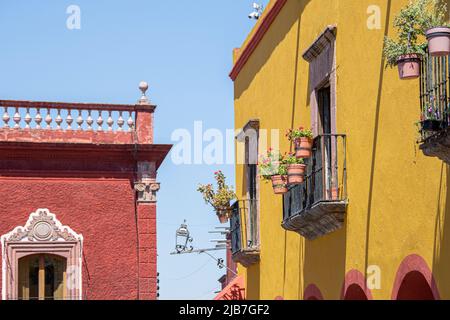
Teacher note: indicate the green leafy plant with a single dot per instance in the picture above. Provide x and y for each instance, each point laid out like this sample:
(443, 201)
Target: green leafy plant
(410, 24)
(292, 159)
(435, 15)
(294, 134)
(219, 199)
(272, 164)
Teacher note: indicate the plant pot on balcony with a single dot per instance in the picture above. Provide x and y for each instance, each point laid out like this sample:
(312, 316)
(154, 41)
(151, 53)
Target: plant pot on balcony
(279, 184)
(409, 66)
(432, 125)
(296, 173)
(223, 214)
(303, 148)
(438, 41)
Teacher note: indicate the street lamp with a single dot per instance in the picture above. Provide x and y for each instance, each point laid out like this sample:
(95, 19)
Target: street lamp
(182, 239)
(183, 246)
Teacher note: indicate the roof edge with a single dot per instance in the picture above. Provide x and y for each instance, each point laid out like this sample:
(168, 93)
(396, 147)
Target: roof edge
(258, 35)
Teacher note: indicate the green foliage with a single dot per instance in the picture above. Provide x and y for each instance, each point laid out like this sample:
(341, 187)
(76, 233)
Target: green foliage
(411, 23)
(272, 164)
(437, 15)
(292, 159)
(299, 133)
(221, 198)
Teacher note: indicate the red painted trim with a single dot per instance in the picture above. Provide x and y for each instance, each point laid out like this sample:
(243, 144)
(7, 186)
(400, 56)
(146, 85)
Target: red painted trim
(412, 263)
(355, 277)
(256, 38)
(312, 291)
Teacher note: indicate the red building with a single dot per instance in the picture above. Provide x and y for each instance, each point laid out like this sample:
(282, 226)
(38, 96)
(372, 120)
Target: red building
(78, 200)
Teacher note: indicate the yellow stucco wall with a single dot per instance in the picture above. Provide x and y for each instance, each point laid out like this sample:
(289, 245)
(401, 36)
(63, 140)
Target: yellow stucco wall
(397, 196)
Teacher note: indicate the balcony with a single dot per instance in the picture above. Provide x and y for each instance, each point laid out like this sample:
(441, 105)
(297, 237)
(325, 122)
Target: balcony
(244, 229)
(434, 104)
(318, 206)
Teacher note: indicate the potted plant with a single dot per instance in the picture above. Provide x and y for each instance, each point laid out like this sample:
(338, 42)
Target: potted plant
(219, 199)
(295, 169)
(431, 119)
(406, 52)
(437, 29)
(303, 140)
(272, 167)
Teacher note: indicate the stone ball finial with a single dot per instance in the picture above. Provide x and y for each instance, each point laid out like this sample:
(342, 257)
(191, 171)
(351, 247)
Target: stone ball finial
(143, 86)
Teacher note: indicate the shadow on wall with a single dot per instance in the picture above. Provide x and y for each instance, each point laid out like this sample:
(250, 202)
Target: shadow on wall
(324, 263)
(274, 36)
(441, 257)
(253, 280)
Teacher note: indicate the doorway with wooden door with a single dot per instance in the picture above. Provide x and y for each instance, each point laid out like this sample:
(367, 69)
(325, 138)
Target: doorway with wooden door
(42, 277)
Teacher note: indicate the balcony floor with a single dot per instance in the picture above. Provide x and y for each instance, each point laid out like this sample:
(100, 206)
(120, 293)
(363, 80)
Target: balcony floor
(438, 146)
(321, 219)
(247, 257)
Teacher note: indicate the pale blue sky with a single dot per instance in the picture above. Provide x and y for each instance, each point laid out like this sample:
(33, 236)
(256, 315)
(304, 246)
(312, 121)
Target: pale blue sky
(182, 48)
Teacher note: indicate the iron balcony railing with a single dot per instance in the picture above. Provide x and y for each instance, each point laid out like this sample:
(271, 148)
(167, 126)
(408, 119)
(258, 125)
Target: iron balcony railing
(244, 226)
(434, 91)
(326, 176)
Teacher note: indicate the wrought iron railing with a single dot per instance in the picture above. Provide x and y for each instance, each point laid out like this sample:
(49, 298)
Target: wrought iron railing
(244, 226)
(326, 177)
(434, 99)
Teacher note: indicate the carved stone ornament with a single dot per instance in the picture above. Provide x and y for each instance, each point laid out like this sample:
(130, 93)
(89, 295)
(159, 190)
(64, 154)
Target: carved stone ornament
(146, 191)
(43, 226)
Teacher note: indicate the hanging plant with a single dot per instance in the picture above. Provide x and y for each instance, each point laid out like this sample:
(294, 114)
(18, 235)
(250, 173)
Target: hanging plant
(303, 141)
(437, 28)
(295, 169)
(219, 199)
(272, 167)
(406, 51)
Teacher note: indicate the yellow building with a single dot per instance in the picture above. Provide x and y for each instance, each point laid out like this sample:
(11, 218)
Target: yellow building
(371, 220)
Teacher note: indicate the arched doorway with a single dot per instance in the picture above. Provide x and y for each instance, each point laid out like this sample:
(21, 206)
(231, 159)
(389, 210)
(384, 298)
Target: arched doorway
(415, 287)
(355, 292)
(42, 277)
(414, 281)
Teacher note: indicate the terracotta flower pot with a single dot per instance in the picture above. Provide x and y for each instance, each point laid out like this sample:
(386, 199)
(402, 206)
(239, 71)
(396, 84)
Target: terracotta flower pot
(222, 218)
(279, 184)
(303, 148)
(438, 41)
(334, 194)
(409, 66)
(296, 173)
(223, 214)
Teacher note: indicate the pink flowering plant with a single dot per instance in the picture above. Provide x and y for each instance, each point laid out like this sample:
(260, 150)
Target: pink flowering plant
(294, 134)
(219, 199)
(272, 164)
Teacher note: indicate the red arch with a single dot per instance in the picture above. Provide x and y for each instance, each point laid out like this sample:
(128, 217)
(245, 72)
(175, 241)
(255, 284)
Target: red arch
(312, 292)
(355, 287)
(414, 280)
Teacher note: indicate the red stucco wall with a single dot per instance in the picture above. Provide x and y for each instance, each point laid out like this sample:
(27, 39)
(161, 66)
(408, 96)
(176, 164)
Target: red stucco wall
(103, 211)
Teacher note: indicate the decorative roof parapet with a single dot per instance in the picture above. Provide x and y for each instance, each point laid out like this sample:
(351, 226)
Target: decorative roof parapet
(322, 41)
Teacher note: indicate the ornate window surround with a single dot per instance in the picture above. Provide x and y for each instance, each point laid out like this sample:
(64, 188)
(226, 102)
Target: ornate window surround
(42, 234)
